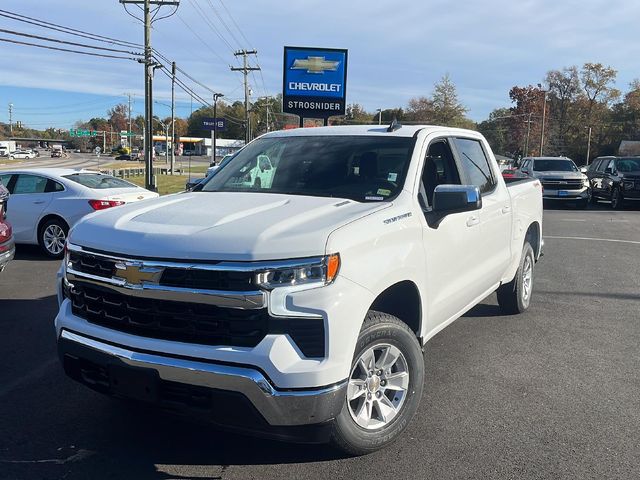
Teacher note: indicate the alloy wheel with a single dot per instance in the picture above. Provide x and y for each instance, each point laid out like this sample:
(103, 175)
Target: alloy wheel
(53, 238)
(378, 386)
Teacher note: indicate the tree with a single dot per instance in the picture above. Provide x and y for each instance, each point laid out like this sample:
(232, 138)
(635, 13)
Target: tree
(420, 109)
(447, 109)
(119, 117)
(563, 90)
(496, 131)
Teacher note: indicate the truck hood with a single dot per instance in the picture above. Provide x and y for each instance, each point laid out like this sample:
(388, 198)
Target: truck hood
(559, 174)
(220, 226)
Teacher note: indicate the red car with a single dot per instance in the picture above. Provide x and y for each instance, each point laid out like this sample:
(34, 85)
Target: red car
(7, 247)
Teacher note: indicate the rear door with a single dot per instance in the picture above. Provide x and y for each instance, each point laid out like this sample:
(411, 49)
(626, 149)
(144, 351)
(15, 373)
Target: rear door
(493, 252)
(27, 202)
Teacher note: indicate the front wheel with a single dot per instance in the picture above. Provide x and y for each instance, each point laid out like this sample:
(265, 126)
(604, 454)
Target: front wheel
(385, 386)
(515, 296)
(616, 199)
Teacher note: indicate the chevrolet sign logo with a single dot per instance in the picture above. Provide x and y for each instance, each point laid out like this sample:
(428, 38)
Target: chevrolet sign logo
(315, 65)
(136, 274)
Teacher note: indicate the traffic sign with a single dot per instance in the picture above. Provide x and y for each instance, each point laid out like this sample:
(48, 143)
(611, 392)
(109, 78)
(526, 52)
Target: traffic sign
(76, 132)
(217, 124)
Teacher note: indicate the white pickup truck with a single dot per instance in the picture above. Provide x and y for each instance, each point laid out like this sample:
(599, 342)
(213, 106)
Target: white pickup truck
(298, 306)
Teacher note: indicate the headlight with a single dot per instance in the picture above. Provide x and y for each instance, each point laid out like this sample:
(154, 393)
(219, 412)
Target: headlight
(585, 182)
(320, 271)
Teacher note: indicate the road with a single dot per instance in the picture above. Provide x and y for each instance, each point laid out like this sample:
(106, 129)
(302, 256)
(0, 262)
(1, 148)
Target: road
(86, 160)
(550, 394)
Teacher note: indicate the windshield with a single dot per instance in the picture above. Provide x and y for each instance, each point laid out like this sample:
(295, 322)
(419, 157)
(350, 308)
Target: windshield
(628, 164)
(554, 165)
(362, 168)
(99, 182)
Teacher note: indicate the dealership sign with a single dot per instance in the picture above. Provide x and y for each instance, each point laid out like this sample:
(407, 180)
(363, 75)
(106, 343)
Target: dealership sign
(314, 82)
(217, 124)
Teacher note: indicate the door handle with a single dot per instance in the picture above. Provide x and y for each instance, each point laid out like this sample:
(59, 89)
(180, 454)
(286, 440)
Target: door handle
(506, 209)
(471, 221)
(38, 202)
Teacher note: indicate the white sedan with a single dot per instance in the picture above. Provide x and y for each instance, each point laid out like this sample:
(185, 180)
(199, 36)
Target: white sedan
(45, 203)
(19, 154)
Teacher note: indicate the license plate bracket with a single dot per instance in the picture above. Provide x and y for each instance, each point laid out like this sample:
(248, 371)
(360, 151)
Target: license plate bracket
(134, 382)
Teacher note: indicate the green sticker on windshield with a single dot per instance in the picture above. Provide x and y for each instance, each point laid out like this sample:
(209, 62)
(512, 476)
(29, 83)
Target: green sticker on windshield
(384, 191)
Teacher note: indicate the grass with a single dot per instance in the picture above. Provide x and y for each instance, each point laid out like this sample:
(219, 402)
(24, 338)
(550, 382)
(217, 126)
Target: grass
(7, 162)
(166, 183)
(195, 169)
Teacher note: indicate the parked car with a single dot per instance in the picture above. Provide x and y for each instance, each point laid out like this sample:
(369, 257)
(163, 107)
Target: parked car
(22, 154)
(298, 306)
(125, 157)
(509, 173)
(7, 247)
(46, 202)
(560, 177)
(56, 154)
(616, 179)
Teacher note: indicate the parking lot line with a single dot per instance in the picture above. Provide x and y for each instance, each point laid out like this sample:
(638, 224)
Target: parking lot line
(632, 242)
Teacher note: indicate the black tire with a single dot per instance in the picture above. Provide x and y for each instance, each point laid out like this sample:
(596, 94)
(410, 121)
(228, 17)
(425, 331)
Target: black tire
(381, 331)
(54, 225)
(593, 199)
(515, 297)
(616, 199)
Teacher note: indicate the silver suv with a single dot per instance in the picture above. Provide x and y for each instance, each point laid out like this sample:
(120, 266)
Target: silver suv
(561, 179)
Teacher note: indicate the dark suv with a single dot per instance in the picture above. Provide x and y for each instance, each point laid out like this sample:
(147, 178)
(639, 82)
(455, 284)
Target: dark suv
(616, 179)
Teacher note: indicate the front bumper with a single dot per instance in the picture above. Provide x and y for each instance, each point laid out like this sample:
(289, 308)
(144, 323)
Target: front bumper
(91, 362)
(566, 195)
(7, 255)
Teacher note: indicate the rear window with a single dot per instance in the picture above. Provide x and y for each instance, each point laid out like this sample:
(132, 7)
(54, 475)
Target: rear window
(99, 182)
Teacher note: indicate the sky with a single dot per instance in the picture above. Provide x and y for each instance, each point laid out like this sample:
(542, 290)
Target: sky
(397, 50)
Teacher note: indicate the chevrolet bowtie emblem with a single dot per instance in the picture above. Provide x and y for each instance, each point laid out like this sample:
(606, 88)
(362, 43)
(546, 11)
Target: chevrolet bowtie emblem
(136, 275)
(315, 65)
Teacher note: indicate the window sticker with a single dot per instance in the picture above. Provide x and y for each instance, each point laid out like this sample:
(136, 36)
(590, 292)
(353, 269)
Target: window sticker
(392, 177)
(384, 191)
(374, 198)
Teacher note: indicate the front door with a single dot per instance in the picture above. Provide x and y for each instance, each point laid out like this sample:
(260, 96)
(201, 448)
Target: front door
(27, 202)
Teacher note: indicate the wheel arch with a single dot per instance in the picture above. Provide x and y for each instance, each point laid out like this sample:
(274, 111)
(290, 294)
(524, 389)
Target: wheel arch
(402, 300)
(534, 238)
(46, 218)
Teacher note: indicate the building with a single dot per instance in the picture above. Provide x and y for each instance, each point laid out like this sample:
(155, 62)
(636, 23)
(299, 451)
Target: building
(199, 146)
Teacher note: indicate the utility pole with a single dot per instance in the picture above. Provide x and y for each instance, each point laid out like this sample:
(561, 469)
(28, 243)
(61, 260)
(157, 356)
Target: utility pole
(149, 67)
(214, 132)
(11, 118)
(245, 69)
(544, 111)
(129, 138)
(173, 116)
(379, 116)
(526, 144)
(588, 146)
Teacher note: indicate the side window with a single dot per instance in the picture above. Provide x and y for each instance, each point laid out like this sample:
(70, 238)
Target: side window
(53, 186)
(29, 184)
(474, 164)
(594, 166)
(439, 169)
(608, 165)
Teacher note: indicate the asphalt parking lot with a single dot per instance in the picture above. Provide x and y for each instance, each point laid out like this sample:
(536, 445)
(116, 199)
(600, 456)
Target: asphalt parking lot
(553, 393)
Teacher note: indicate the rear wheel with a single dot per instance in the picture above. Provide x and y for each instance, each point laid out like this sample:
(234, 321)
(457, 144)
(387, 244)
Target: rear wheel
(616, 199)
(52, 237)
(385, 386)
(515, 296)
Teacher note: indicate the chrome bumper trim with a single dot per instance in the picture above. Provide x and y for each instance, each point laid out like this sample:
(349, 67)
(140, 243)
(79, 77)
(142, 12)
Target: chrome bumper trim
(279, 408)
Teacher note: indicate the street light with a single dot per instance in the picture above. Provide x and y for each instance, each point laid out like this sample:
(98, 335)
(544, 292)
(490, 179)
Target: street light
(379, 116)
(216, 96)
(544, 111)
(588, 146)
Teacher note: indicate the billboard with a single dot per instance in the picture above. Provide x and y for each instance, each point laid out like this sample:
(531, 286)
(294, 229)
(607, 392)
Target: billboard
(314, 82)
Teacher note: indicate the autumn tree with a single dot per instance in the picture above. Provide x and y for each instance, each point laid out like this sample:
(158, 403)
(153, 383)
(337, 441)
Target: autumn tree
(441, 108)
(119, 117)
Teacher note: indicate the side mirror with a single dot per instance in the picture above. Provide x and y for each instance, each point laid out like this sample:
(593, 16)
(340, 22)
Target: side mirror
(584, 170)
(448, 199)
(608, 170)
(525, 171)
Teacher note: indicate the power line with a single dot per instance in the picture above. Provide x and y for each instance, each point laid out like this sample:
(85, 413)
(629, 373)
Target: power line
(236, 24)
(212, 26)
(224, 24)
(83, 45)
(67, 30)
(67, 50)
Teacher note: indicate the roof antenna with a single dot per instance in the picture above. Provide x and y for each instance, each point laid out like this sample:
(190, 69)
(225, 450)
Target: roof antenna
(395, 125)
